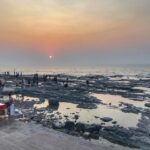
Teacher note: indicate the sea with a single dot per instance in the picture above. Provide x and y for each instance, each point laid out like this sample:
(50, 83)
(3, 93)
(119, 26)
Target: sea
(82, 70)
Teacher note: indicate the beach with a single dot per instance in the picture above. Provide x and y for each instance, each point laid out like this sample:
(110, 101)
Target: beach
(74, 75)
(113, 111)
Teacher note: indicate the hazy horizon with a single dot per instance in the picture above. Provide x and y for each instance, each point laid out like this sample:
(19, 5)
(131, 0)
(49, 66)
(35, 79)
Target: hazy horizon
(78, 33)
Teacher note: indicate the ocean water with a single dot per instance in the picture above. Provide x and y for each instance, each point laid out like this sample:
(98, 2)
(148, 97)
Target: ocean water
(84, 70)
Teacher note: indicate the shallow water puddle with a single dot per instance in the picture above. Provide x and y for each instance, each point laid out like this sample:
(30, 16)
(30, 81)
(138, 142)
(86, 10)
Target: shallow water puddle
(116, 100)
(92, 116)
(25, 98)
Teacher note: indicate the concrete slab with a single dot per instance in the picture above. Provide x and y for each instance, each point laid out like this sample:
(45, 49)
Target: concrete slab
(30, 136)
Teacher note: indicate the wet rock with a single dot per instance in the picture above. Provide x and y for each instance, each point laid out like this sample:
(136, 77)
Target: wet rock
(114, 122)
(86, 135)
(66, 116)
(58, 113)
(52, 115)
(147, 104)
(69, 125)
(40, 109)
(57, 125)
(80, 127)
(96, 117)
(76, 117)
(119, 135)
(87, 105)
(120, 104)
(44, 123)
(103, 123)
(106, 119)
(95, 135)
(65, 85)
(131, 109)
(37, 118)
(53, 102)
(92, 127)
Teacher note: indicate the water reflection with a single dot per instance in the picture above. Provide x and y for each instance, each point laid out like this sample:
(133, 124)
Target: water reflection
(116, 100)
(93, 115)
(20, 97)
(69, 111)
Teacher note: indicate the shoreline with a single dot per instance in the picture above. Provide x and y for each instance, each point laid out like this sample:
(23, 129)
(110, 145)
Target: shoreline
(71, 89)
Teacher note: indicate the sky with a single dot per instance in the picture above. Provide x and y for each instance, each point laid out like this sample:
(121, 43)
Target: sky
(74, 32)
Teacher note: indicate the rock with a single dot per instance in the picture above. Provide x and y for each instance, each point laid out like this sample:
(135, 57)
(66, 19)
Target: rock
(66, 116)
(96, 117)
(131, 109)
(52, 115)
(80, 127)
(114, 122)
(87, 105)
(69, 125)
(76, 117)
(44, 123)
(37, 118)
(95, 135)
(93, 128)
(58, 113)
(86, 135)
(65, 85)
(53, 102)
(103, 123)
(106, 119)
(57, 125)
(120, 104)
(119, 135)
(147, 104)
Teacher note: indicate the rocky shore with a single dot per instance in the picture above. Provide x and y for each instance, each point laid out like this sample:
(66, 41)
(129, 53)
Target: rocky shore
(47, 92)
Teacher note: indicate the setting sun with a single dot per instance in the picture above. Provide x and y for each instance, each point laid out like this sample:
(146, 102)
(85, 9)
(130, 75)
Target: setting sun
(50, 57)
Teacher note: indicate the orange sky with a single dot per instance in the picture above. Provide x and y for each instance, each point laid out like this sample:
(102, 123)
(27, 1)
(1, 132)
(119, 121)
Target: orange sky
(53, 25)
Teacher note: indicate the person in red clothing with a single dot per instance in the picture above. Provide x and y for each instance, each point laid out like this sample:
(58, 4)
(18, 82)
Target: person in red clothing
(3, 109)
